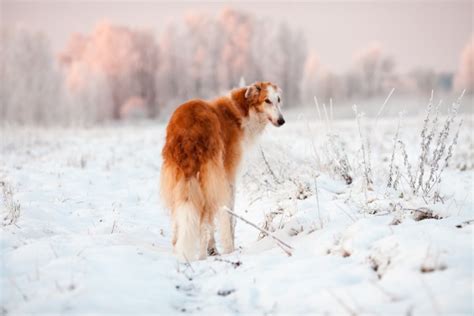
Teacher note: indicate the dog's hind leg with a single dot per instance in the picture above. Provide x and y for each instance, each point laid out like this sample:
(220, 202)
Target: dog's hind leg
(204, 242)
(216, 189)
(227, 224)
(211, 247)
(188, 232)
(231, 206)
(174, 232)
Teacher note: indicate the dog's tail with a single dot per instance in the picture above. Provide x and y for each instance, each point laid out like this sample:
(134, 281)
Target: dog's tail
(188, 221)
(188, 232)
(193, 202)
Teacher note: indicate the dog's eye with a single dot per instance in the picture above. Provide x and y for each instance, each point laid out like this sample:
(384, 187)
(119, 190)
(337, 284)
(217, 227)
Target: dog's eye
(268, 101)
(278, 99)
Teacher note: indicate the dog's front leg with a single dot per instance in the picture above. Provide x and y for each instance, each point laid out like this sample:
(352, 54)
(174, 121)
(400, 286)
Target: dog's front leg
(227, 224)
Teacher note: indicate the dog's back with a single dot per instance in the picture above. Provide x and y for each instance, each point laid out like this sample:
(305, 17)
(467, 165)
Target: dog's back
(192, 137)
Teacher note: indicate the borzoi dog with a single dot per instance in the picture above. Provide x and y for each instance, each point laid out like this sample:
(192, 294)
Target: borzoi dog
(203, 149)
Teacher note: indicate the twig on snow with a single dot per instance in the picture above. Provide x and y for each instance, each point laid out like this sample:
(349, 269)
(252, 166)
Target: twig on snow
(431, 297)
(317, 201)
(113, 226)
(344, 305)
(268, 167)
(280, 243)
(392, 296)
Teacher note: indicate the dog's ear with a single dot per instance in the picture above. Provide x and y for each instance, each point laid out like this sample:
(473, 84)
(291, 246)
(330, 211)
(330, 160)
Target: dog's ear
(254, 89)
(249, 91)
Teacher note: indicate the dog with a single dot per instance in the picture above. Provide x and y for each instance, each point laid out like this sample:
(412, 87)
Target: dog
(203, 149)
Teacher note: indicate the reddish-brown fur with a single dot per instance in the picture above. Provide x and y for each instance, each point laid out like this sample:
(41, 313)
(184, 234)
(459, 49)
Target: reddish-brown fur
(204, 146)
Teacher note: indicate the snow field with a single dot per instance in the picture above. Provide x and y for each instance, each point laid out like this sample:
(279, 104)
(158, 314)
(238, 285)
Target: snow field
(92, 237)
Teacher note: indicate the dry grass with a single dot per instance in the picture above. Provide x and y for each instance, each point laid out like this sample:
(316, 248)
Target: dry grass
(435, 152)
(12, 208)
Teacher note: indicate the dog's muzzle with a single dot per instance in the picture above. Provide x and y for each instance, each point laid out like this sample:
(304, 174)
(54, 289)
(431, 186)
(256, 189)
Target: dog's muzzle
(280, 121)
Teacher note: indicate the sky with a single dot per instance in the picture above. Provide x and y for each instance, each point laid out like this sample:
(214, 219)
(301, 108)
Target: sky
(415, 33)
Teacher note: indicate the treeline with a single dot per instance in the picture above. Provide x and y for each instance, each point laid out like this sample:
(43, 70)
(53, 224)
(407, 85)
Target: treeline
(117, 72)
(373, 73)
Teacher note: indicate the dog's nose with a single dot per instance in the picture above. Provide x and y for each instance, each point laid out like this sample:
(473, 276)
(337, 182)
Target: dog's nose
(281, 121)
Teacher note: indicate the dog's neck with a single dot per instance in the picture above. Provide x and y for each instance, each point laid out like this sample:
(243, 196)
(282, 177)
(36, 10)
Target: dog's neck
(240, 102)
(251, 123)
(253, 126)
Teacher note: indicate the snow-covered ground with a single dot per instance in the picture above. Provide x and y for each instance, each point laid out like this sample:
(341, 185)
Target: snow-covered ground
(84, 231)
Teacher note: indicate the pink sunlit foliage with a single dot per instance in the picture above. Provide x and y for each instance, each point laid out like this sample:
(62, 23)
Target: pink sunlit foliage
(125, 59)
(465, 76)
(320, 82)
(202, 52)
(374, 70)
(236, 57)
(206, 56)
(311, 71)
(116, 70)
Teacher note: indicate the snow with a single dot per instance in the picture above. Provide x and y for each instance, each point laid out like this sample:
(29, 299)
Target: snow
(93, 238)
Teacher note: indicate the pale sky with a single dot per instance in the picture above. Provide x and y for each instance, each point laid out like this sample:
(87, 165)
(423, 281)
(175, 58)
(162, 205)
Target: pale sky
(416, 33)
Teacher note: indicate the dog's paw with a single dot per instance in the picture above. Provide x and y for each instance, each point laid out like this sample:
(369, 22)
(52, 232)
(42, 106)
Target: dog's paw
(212, 251)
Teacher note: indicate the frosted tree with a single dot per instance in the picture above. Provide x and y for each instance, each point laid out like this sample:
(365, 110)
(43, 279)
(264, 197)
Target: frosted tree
(292, 46)
(329, 86)
(235, 58)
(309, 84)
(171, 85)
(205, 56)
(425, 80)
(144, 71)
(30, 89)
(126, 59)
(353, 85)
(279, 55)
(464, 78)
(203, 48)
(373, 69)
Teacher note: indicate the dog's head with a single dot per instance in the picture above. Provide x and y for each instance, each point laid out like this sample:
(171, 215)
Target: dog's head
(264, 98)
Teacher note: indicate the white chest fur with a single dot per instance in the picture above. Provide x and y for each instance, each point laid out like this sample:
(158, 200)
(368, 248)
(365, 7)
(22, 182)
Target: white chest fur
(253, 126)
